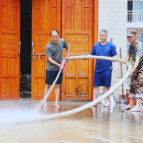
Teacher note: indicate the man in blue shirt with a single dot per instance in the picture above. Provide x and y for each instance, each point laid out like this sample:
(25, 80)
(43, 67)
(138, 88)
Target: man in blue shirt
(103, 69)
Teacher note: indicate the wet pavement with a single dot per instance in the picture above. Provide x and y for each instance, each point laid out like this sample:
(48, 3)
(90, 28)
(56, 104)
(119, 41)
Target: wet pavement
(94, 125)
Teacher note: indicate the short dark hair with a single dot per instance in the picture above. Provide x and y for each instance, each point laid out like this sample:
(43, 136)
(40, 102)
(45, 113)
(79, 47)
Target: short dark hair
(53, 31)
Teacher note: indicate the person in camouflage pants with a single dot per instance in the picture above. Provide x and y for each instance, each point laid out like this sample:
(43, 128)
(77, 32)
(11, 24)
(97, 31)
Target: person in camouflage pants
(136, 90)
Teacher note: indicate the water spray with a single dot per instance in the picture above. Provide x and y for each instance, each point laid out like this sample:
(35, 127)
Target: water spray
(63, 64)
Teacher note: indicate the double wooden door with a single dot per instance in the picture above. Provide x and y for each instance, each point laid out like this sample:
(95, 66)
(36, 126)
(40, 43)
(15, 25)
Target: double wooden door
(74, 20)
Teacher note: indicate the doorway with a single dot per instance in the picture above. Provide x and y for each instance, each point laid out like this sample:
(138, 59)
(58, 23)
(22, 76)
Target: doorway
(75, 21)
(25, 55)
(77, 24)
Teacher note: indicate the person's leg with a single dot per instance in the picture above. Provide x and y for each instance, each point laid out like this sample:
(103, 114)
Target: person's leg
(49, 81)
(97, 83)
(137, 108)
(107, 98)
(57, 93)
(130, 106)
(132, 98)
(132, 94)
(138, 103)
(95, 93)
(138, 84)
(106, 76)
(47, 87)
(57, 89)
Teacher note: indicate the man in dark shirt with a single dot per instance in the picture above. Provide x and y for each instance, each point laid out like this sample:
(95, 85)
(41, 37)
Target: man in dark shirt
(54, 53)
(136, 90)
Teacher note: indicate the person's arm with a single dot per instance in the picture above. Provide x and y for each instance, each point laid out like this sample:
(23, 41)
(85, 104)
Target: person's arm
(139, 54)
(66, 45)
(53, 62)
(135, 65)
(127, 59)
(129, 53)
(115, 56)
(67, 52)
(114, 53)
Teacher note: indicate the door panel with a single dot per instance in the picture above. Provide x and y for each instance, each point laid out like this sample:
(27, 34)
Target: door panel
(0, 48)
(77, 30)
(46, 16)
(9, 49)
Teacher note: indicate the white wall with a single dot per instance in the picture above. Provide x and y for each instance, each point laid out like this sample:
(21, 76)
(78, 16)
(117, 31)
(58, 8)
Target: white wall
(113, 17)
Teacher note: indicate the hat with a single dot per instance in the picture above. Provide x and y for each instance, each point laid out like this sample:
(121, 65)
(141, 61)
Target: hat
(131, 32)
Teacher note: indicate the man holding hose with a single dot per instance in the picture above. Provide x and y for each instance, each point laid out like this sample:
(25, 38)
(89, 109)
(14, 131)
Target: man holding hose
(136, 90)
(103, 70)
(54, 53)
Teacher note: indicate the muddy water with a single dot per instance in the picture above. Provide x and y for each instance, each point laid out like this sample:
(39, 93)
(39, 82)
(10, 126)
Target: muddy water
(96, 125)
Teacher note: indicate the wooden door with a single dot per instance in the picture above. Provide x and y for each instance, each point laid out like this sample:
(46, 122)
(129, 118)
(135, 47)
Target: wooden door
(46, 16)
(9, 49)
(77, 30)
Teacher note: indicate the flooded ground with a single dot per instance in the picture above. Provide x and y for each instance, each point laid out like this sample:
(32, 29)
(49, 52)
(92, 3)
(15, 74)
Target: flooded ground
(96, 125)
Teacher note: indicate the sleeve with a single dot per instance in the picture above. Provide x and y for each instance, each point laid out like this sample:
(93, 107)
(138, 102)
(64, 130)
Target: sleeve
(129, 50)
(139, 51)
(48, 52)
(93, 52)
(66, 44)
(114, 50)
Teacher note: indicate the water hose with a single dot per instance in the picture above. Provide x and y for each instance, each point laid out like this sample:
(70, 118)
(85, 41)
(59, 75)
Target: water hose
(73, 111)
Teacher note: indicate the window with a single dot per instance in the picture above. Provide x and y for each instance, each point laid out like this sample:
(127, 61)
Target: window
(135, 10)
(130, 5)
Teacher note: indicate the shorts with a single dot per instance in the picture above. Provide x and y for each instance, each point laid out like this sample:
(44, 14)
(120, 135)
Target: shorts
(136, 88)
(51, 76)
(103, 78)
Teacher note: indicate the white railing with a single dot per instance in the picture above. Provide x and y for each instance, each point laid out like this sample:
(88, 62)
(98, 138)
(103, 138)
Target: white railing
(135, 16)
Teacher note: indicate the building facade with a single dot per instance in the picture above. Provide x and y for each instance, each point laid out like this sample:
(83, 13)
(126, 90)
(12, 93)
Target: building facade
(24, 31)
(112, 15)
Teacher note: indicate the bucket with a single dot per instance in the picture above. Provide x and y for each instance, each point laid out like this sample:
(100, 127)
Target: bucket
(127, 97)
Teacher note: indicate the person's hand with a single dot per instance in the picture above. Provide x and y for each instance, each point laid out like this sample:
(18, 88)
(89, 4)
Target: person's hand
(63, 65)
(59, 65)
(130, 73)
(67, 58)
(115, 57)
(128, 64)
